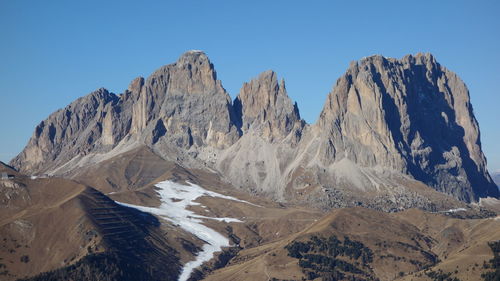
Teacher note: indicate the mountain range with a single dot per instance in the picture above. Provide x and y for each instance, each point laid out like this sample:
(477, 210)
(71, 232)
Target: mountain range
(389, 183)
(386, 124)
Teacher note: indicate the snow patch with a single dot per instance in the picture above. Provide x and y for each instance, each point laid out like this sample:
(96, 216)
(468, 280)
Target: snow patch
(455, 210)
(175, 199)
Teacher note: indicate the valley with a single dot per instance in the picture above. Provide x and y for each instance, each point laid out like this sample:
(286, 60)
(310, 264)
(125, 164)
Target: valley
(197, 216)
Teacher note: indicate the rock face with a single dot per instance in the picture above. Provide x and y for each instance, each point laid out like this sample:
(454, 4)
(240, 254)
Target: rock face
(388, 124)
(264, 105)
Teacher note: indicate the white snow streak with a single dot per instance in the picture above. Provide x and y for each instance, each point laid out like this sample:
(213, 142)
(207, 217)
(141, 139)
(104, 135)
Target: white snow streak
(455, 210)
(175, 198)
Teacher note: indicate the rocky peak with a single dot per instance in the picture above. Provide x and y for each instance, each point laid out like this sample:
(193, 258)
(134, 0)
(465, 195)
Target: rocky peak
(136, 85)
(264, 105)
(77, 129)
(193, 73)
(409, 115)
(194, 57)
(184, 104)
(179, 106)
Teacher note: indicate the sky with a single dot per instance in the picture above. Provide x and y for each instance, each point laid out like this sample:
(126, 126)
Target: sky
(52, 52)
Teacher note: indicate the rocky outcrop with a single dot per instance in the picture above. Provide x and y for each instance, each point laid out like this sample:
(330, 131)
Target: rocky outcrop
(388, 126)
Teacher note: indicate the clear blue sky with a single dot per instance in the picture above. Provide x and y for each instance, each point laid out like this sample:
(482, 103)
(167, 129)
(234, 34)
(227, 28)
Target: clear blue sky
(52, 52)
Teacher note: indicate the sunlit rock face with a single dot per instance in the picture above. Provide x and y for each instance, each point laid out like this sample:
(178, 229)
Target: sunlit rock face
(185, 104)
(264, 106)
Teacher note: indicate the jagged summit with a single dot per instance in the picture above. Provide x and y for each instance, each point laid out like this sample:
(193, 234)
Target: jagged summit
(263, 104)
(419, 56)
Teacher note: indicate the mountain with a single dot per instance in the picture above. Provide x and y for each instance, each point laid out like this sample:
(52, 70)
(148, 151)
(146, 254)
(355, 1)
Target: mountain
(389, 130)
(412, 116)
(179, 106)
(371, 135)
(496, 178)
(263, 104)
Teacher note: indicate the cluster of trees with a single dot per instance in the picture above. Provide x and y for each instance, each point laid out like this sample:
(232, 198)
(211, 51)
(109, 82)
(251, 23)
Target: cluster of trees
(4, 271)
(107, 266)
(440, 276)
(25, 259)
(333, 247)
(320, 257)
(494, 263)
(98, 267)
